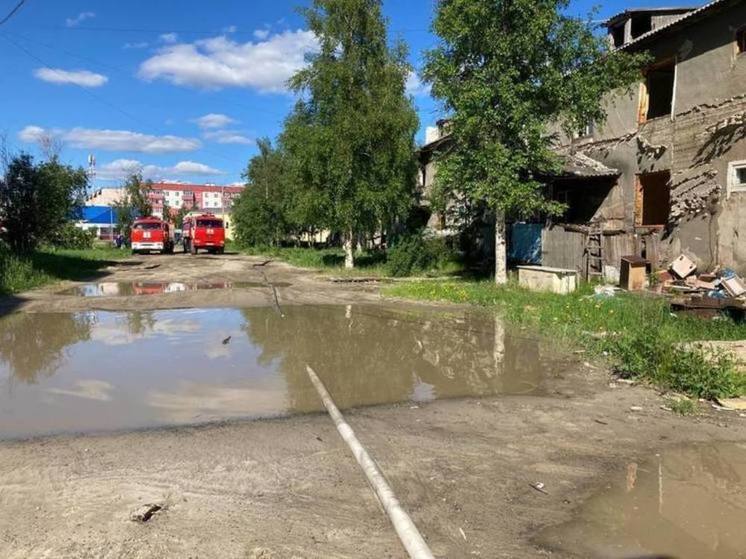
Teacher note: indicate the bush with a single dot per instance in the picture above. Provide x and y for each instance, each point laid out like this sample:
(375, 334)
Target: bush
(69, 236)
(414, 253)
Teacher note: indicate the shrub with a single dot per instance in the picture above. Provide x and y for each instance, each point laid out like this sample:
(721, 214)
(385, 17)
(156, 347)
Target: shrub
(69, 236)
(414, 253)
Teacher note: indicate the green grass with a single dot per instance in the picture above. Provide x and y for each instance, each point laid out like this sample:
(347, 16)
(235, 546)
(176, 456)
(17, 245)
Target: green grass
(683, 406)
(331, 260)
(20, 273)
(638, 333)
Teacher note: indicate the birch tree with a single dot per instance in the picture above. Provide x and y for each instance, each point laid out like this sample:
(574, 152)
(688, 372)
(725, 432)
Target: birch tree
(505, 72)
(351, 134)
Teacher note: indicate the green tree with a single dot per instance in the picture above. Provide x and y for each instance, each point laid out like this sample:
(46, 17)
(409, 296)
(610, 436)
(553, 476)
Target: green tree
(179, 217)
(38, 201)
(133, 203)
(507, 72)
(260, 213)
(351, 135)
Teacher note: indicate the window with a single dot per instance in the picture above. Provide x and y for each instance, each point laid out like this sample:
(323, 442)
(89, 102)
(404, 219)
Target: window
(741, 40)
(653, 200)
(737, 176)
(641, 24)
(585, 132)
(656, 99)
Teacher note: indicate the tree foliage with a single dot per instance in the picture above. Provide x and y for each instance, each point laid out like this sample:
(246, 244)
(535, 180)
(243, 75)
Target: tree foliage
(134, 202)
(38, 200)
(507, 72)
(350, 137)
(261, 214)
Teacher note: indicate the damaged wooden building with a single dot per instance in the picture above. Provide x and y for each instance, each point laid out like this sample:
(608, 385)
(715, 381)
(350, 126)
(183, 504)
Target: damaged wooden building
(666, 172)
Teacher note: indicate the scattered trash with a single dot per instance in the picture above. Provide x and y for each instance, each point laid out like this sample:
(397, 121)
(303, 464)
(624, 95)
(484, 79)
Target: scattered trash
(683, 266)
(539, 486)
(635, 408)
(734, 286)
(227, 340)
(601, 421)
(463, 535)
(605, 291)
(145, 512)
(732, 403)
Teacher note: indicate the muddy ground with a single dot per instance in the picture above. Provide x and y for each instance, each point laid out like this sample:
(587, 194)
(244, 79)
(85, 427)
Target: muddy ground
(290, 488)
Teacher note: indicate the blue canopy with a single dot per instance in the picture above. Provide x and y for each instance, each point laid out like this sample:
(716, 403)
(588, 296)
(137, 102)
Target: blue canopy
(100, 215)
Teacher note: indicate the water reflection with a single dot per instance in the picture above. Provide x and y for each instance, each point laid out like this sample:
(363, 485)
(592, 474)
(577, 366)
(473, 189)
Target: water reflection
(129, 288)
(370, 356)
(113, 370)
(32, 345)
(688, 502)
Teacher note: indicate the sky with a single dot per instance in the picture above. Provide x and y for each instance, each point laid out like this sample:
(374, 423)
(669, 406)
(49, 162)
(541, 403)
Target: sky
(180, 89)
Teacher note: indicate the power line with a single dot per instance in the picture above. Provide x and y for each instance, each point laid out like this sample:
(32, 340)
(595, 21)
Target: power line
(13, 11)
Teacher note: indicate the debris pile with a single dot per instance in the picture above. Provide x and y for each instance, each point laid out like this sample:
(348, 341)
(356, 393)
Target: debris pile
(705, 294)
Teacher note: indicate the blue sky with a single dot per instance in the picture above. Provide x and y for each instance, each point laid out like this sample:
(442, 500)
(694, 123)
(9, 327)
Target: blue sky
(181, 88)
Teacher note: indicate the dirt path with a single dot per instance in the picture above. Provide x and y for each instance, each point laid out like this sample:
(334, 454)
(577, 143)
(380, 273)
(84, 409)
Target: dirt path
(289, 488)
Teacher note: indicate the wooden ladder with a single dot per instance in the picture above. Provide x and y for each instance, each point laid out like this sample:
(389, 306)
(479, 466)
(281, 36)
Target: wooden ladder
(594, 253)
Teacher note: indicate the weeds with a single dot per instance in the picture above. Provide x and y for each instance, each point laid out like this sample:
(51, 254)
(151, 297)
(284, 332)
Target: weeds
(20, 273)
(639, 334)
(684, 406)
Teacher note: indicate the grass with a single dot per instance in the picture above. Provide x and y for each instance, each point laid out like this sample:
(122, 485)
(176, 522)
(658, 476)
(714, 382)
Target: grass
(638, 333)
(47, 265)
(331, 260)
(682, 407)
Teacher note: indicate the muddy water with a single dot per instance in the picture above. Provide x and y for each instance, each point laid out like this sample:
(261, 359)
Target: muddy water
(125, 289)
(688, 503)
(116, 370)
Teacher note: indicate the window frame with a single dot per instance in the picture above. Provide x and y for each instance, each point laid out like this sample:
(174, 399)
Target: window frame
(643, 106)
(733, 186)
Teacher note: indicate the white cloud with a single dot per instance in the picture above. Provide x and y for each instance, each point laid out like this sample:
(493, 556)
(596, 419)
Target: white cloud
(140, 45)
(229, 137)
(221, 62)
(83, 78)
(230, 29)
(80, 18)
(213, 120)
(415, 86)
(261, 33)
(169, 38)
(122, 168)
(112, 140)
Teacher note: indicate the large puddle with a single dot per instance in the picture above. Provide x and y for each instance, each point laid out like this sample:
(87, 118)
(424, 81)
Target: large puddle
(97, 370)
(129, 288)
(687, 503)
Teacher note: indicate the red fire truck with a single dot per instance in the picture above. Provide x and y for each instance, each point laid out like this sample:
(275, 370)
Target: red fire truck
(203, 232)
(152, 233)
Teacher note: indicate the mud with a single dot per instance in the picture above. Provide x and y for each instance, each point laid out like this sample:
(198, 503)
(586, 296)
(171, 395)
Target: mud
(280, 487)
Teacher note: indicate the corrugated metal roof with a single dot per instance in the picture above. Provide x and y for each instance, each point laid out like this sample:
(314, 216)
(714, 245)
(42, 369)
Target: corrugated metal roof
(685, 18)
(580, 165)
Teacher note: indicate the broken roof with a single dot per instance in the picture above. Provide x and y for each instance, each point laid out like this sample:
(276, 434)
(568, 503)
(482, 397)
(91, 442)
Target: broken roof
(658, 11)
(581, 166)
(686, 18)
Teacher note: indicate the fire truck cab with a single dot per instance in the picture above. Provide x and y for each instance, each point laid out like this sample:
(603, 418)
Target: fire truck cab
(203, 231)
(152, 234)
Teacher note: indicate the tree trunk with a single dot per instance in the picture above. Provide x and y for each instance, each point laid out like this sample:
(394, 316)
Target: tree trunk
(349, 246)
(501, 255)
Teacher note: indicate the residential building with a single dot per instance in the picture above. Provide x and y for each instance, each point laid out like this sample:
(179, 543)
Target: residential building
(665, 174)
(673, 149)
(207, 197)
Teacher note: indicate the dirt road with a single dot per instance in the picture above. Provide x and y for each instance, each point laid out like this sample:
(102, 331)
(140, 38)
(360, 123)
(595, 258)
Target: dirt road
(288, 487)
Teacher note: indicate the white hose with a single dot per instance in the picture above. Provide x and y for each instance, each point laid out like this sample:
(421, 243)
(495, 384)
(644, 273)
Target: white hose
(408, 534)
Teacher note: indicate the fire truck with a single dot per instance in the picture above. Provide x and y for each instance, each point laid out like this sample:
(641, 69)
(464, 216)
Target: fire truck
(152, 234)
(203, 231)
